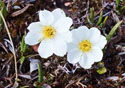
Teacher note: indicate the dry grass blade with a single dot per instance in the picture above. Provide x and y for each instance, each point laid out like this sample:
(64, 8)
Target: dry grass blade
(21, 11)
(14, 54)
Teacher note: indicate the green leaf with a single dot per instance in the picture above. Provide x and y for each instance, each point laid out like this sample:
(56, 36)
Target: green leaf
(92, 15)
(100, 18)
(4, 13)
(24, 87)
(23, 46)
(103, 23)
(100, 64)
(117, 3)
(109, 36)
(122, 8)
(118, 12)
(40, 75)
(22, 59)
(101, 70)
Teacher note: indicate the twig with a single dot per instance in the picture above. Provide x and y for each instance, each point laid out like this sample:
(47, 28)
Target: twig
(10, 58)
(21, 11)
(3, 47)
(14, 54)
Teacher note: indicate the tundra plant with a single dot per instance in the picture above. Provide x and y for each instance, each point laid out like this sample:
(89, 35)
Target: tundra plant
(51, 33)
(86, 46)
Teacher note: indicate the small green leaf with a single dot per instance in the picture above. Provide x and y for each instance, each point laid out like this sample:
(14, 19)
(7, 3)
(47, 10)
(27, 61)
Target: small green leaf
(101, 70)
(109, 36)
(4, 13)
(117, 3)
(22, 59)
(100, 64)
(100, 18)
(40, 75)
(92, 15)
(24, 87)
(40, 78)
(23, 46)
(118, 12)
(103, 23)
(122, 8)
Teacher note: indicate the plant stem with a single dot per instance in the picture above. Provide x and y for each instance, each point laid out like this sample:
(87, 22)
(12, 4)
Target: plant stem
(14, 54)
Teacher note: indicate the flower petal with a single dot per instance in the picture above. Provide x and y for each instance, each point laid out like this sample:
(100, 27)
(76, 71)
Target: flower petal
(45, 49)
(46, 17)
(35, 26)
(58, 13)
(63, 24)
(73, 55)
(32, 38)
(67, 36)
(80, 34)
(95, 34)
(59, 46)
(96, 54)
(101, 43)
(86, 61)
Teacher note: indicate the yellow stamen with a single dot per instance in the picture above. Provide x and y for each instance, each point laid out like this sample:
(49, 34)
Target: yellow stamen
(85, 46)
(49, 32)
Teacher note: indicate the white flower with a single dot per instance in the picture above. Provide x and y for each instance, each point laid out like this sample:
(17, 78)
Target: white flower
(52, 32)
(86, 46)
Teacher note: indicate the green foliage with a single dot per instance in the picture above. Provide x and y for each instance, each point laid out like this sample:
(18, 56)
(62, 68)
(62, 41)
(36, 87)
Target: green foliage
(4, 13)
(40, 78)
(101, 70)
(103, 23)
(100, 18)
(23, 49)
(109, 36)
(23, 46)
(118, 12)
(117, 3)
(24, 87)
(40, 75)
(122, 8)
(92, 15)
(22, 59)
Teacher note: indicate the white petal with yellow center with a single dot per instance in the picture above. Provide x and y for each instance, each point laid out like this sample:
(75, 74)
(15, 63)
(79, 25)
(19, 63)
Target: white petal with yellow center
(85, 46)
(89, 43)
(48, 32)
(33, 38)
(58, 13)
(51, 33)
(63, 24)
(73, 56)
(35, 26)
(86, 61)
(101, 43)
(45, 48)
(94, 35)
(96, 54)
(46, 17)
(80, 34)
(60, 46)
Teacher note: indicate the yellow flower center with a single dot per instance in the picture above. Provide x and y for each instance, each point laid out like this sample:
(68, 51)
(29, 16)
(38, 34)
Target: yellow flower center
(85, 46)
(48, 32)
